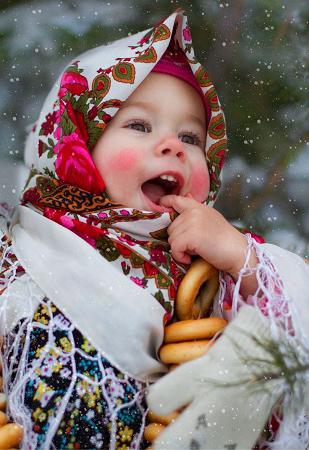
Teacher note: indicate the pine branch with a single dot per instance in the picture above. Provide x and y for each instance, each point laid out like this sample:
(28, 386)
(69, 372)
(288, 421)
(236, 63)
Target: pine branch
(285, 365)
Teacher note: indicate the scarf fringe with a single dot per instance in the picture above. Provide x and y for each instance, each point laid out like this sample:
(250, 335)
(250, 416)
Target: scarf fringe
(273, 302)
(9, 274)
(16, 376)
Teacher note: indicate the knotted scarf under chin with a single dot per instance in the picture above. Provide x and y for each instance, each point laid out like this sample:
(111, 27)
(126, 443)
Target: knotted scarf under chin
(134, 241)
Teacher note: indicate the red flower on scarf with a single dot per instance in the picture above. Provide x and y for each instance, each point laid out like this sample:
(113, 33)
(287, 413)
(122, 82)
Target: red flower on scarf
(144, 40)
(221, 156)
(59, 216)
(74, 165)
(213, 176)
(149, 269)
(31, 195)
(139, 281)
(48, 126)
(175, 271)
(186, 34)
(41, 147)
(73, 82)
(88, 230)
(93, 112)
(126, 252)
(79, 121)
(127, 239)
(157, 256)
(172, 291)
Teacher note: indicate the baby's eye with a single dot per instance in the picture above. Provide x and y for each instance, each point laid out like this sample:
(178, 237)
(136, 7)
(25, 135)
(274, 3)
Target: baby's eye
(190, 138)
(139, 126)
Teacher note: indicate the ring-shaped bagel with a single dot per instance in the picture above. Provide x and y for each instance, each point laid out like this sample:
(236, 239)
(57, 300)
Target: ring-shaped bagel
(163, 420)
(3, 419)
(199, 272)
(152, 431)
(190, 330)
(180, 352)
(10, 436)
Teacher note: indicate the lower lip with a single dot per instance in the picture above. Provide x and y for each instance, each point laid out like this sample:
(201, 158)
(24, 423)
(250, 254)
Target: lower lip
(155, 207)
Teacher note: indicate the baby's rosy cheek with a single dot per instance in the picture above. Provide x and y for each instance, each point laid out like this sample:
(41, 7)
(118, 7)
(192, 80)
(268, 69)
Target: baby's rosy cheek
(124, 161)
(199, 183)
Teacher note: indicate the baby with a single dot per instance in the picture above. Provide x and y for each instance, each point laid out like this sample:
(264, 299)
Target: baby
(130, 134)
(152, 158)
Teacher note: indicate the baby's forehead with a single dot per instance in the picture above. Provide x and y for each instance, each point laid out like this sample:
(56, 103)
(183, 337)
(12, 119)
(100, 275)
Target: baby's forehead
(160, 92)
(131, 104)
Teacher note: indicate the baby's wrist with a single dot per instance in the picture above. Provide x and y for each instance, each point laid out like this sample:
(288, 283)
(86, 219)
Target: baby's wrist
(239, 258)
(249, 282)
(252, 263)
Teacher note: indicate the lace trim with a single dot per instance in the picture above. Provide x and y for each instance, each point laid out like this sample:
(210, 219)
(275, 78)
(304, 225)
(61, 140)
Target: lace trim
(18, 371)
(273, 302)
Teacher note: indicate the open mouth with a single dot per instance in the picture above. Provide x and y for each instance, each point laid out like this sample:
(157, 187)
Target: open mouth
(158, 187)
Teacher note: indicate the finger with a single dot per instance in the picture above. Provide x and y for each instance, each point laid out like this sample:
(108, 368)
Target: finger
(175, 224)
(180, 228)
(178, 202)
(174, 390)
(183, 243)
(179, 249)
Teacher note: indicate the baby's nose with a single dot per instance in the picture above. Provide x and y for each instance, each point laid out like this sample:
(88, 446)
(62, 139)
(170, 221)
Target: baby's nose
(172, 147)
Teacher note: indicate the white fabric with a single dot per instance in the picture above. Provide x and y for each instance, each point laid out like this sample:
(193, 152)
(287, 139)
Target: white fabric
(19, 301)
(218, 416)
(16, 303)
(283, 280)
(294, 273)
(118, 317)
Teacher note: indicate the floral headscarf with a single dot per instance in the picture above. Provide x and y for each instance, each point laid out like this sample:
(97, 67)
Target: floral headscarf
(65, 186)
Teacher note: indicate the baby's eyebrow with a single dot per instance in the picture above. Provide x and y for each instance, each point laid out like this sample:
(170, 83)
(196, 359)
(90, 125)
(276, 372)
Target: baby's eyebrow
(139, 104)
(194, 118)
(148, 106)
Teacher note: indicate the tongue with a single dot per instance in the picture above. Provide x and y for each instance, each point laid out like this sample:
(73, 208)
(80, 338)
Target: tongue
(153, 191)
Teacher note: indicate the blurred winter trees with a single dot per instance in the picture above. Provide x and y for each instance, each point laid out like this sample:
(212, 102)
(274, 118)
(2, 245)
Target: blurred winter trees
(256, 53)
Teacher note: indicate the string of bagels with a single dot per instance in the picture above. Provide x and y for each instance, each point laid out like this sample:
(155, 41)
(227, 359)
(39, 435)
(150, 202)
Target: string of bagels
(192, 334)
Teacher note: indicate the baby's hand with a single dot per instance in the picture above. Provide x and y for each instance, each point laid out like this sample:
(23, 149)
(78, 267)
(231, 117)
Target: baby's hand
(202, 230)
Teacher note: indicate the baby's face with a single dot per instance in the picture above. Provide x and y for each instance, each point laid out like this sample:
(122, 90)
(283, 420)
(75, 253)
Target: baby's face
(154, 146)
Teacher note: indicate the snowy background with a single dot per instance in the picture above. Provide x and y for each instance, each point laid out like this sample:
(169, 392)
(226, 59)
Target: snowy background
(257, 55)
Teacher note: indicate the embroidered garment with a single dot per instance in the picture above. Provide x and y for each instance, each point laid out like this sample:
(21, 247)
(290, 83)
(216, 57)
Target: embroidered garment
(82, 335)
